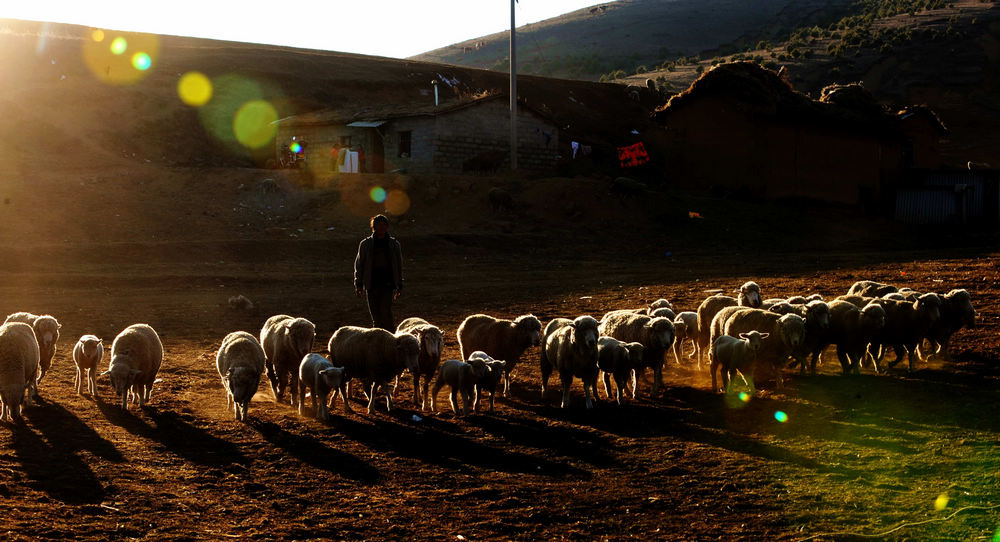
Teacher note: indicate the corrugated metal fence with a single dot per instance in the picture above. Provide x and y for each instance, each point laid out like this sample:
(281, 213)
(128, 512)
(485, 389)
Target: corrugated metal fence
(950, 197)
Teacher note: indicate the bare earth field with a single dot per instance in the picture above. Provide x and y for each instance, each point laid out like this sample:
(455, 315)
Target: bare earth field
(168, 247)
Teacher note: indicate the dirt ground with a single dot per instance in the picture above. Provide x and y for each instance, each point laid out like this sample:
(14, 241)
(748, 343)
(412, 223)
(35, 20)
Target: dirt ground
(856, 454)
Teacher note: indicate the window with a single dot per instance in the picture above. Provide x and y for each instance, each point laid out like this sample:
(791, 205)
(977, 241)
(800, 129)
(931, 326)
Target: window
(345, 141)
(404, 143)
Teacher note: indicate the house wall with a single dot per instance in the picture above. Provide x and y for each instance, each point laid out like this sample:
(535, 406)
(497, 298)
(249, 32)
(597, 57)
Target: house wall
(925, 141)
(714, 143)
(321, 140)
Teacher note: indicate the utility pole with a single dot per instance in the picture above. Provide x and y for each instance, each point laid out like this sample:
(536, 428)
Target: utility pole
(513, 91)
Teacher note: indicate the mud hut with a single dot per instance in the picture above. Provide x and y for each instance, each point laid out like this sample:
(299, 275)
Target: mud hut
(741, 127)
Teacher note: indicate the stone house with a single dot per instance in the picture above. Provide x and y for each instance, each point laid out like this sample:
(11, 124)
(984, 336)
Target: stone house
(469, 135)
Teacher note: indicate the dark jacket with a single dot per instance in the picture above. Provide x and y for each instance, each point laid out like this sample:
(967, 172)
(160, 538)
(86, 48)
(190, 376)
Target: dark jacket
(363, 263)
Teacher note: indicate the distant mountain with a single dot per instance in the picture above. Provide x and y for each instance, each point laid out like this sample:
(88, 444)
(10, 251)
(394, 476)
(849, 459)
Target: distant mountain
(627, 34)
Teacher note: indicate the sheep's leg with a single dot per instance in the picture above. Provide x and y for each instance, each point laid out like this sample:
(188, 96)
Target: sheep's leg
(388, 400)
(677, 356)
(416, 389)
(371, 397)
(491, 400)
(78, 381)
(293, 396)
(302, 400)
(246, 409)
(282, 385)
(657, 378)
(606, 378)
(635, 383)
(452, 395)
(423, 396)
(588, 392)
(92, 381)
(566, 383)
(272, 378)
(324, 414)
(475, 397)
(345, 392)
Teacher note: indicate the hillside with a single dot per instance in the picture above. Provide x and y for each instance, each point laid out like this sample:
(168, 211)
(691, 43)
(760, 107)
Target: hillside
(587, 43)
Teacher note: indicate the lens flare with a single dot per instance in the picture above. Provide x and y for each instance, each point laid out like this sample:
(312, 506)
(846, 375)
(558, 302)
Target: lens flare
(996, 535)
(781, 416)
(397, 202)
(252, 124)
(295, 147)
(124, 60)
(744, 396)
(941, 502)
(194, 89)
(119, 45)
(377, 194)
(141, 61)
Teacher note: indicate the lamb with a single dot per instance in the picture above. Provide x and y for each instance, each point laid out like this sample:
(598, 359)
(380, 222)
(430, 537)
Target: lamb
(462, 378)
(655, 334)
(956, 312)
(500, 200)
(19, 358)
(501, 339)
(786, 334)
(490, 372)
(431, 338)
(718, 327)
(851, 330)
(613, 359)
(87, 353)
(136, 355)
(240, 362)
(906, 325)
(374, 356)
(870, 288)
(47, 333)
(286, 341)
(685, 328)
(570, 347)
(734, 355)
(320, 376)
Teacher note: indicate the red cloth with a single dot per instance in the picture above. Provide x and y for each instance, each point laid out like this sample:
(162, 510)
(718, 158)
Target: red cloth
(633, 155)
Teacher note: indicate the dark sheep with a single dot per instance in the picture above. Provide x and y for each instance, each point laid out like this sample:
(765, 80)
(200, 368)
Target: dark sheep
(956, 312)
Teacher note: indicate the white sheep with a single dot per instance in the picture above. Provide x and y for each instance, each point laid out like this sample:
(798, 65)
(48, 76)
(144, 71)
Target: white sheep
(431, 341)
(320, 376)
(734, 355)
(956, 312)
(374, 356)
(87, 354)
(870, 288)
(18, 364)
(706, 313)
(240, 362)
(461, 377)
(570, 347)
(501, 339)
(489, 372)
(46, 329)
(655, 334)
(786, 333)
(686, 328)
(613, 360)
(136, 355)
(286, 341)
(749, 295)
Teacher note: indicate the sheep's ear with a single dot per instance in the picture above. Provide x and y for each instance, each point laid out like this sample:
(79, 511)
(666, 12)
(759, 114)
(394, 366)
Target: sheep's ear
(105, 373)
(764, 335)
(59, 326)
(743, 335)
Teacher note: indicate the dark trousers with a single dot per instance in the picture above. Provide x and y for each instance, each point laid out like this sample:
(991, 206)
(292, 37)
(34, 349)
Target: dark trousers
(380, 307)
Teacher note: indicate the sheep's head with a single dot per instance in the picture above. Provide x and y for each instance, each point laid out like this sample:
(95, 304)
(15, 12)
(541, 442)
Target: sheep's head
(680, 329)
(408, 351)
(332, 377)
(243, 382)
(481, 368)
(585, 331)
(663, 330)
(635, 352)
(872, 317)
(962, 301)
(122, 375)
(782, 307)
(300, 334)
(750, 295)
(793, 330)
(47, 329)
(929, 307)
(479, 354)
(665, 312)
(818, 312)
(89, 345)
(529, 328)
(431, 338)
(753, 339)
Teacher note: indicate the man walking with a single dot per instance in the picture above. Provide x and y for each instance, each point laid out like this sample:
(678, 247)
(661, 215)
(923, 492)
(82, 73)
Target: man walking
(378, 272)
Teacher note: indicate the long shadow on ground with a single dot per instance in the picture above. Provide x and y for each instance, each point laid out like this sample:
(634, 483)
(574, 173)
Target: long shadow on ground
(316, 454)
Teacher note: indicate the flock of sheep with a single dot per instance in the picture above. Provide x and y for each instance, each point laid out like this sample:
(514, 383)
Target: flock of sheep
(740, 334)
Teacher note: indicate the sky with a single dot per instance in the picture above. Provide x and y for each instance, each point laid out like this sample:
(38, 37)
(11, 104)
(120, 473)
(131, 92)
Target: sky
(392, 28)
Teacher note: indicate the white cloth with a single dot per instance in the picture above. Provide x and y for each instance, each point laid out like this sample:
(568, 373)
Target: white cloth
(350, 164)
